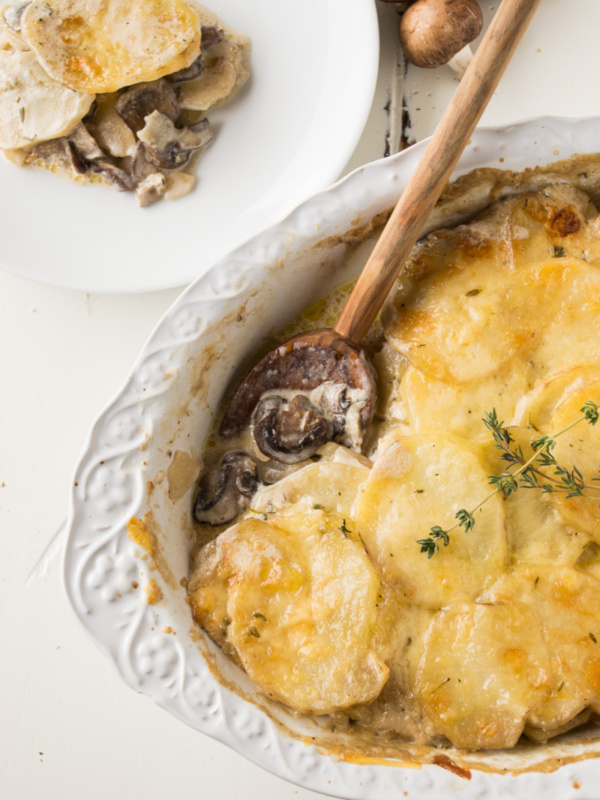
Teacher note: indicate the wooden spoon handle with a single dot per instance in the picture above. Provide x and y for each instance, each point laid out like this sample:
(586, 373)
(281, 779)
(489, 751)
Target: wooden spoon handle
(434, 169)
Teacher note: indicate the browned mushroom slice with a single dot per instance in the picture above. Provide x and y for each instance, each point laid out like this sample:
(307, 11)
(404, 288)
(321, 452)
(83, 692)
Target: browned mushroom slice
(187, 74)
(117, 177)
(289, 431)
(85, 143)
(225, 492)
(83, 148)
(151, 189)
(137, 102)
(211, 36)
(170, 147)
(140, 166)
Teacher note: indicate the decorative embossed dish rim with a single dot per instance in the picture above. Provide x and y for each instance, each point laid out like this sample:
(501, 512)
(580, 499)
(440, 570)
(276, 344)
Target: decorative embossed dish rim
(166, 405)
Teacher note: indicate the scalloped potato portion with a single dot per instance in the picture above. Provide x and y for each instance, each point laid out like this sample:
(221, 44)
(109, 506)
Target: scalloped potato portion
(423, 480)
(553, 406)
(327, 486)
(300, 603)
(34, 107)
(485, 667)
(432, 404)
(498, 324)
(103, 45)
(468, 303)
(567, 602)
(493, 329)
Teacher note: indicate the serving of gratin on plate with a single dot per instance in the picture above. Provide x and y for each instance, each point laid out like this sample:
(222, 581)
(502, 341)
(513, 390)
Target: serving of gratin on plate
(431, 599)
(115, 92)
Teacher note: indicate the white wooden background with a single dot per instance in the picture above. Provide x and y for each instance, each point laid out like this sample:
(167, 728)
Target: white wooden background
(69, 729)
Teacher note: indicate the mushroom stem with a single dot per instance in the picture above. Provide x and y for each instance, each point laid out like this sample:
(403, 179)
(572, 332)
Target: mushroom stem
(459, 62)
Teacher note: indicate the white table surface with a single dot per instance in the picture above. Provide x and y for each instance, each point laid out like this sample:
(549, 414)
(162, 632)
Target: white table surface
(69, 728)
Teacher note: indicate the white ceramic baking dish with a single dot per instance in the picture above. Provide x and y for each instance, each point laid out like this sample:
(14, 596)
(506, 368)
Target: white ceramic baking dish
(166, 407)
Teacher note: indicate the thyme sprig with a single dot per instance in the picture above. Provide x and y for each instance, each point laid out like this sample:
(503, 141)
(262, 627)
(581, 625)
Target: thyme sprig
(539, 471)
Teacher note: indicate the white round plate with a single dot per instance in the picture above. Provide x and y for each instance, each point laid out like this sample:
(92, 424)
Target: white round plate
(287, 134)
(167, 405)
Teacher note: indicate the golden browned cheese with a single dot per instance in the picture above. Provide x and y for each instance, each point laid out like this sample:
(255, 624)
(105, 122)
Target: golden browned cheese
(99, 46)
(498, 634)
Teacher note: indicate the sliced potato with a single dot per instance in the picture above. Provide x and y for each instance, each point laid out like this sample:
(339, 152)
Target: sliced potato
(568, 332)
(34, 107)
(460, 407)
(552, 407)
(104, 45)
(302, 608)
(491, 332)
(397, 710)
(538, 534)
(484, 668)
(500, 324)
(422, 481)
(329, 486)
(567, 602)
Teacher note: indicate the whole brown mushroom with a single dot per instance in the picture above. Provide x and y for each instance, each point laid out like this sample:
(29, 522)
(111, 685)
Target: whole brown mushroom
(438, 32)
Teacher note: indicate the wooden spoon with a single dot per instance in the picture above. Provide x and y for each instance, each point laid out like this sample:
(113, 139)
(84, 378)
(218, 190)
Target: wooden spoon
(334, 355)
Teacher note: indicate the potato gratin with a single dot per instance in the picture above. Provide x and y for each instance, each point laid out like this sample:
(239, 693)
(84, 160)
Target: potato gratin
(322, 586)
(115, 91)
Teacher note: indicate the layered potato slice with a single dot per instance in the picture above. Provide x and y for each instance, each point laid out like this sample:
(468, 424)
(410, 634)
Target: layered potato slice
(397, 710)
(468, 305)
(552, 407)
(452, 335)
(329, 486)
(484, 669)
(103, 45)
(567, 602)
(418, 482)
(537, 533)
(459, 324)
(567, 333)
(433, 405)
(33, 107)
(298, 605)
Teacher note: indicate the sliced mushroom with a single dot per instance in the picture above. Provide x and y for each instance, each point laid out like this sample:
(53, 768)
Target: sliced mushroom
(87, 156)
(85, 144)
(139, 101)
(225, 492)
(188, 74)
(117, 177)
(170, 147)
(140, 165)
(289, 431)
(151, 189)
(438, 32)
(210, 37)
